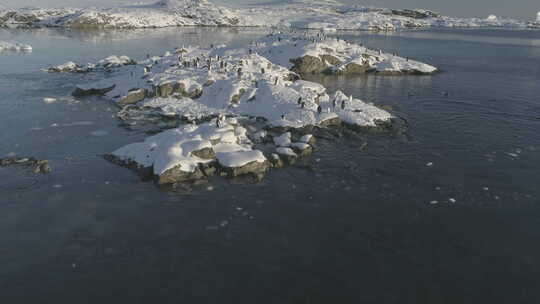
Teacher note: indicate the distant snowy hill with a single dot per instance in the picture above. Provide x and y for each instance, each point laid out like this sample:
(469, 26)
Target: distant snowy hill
(327, 15)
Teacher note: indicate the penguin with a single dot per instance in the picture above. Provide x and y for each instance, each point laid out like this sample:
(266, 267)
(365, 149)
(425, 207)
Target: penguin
(282, 117)
(303, 105)
(319, 109)
(300, 100)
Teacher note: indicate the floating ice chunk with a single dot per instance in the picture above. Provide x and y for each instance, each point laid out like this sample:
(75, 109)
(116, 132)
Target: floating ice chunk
(49, 100)
(99, 133)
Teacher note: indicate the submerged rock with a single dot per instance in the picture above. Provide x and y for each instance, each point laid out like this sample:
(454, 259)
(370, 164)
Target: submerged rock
(95, 89)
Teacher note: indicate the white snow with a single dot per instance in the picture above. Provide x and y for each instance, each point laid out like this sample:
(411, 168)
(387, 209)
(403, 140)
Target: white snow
(240, 158)
(14, 46)
(174, 148)
(286, 151)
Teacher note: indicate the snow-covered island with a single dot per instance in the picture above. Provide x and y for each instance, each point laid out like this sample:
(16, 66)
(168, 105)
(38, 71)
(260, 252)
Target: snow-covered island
(302, 14)
(14, 46)
(241, 110)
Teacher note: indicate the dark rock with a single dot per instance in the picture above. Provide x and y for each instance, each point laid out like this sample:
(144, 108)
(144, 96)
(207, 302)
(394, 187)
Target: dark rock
(80, 92)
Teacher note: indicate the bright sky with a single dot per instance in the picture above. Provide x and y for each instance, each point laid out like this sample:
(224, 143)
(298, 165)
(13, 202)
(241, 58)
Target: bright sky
(522, 9)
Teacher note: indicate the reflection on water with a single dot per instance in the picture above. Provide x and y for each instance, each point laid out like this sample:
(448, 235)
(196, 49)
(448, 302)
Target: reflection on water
(445, 213)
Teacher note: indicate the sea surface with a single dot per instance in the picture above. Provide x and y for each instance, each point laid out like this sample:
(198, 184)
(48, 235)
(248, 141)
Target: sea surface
(446, 211)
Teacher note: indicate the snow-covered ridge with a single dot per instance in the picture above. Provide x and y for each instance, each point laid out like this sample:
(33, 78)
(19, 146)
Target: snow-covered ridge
(14, 46)
(323, 15)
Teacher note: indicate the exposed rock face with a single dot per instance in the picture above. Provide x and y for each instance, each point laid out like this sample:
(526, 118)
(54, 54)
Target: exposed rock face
(309, 65)
(205, 153)
(133, 97)
(255, 168)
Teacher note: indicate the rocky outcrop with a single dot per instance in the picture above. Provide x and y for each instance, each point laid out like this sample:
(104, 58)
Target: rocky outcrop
(133, 97)
(309, 65)
(252, 168)
(176, 175)
(38, 166)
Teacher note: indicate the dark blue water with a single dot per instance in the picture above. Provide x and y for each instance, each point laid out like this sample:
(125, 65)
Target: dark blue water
(352, 224)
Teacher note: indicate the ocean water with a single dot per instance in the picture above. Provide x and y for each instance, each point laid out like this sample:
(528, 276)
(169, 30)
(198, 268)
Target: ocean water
(446, 211)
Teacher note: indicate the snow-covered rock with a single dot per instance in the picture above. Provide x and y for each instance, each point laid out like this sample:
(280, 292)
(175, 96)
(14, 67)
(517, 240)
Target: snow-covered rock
(106, 63)
(14, 46)
(192, 152)
(319, 54)
(195, 83)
